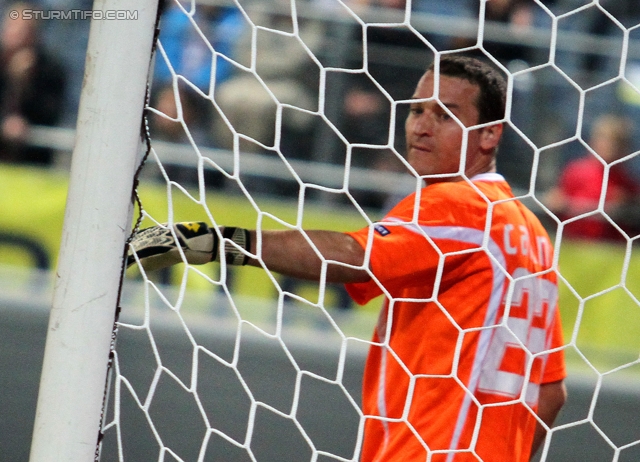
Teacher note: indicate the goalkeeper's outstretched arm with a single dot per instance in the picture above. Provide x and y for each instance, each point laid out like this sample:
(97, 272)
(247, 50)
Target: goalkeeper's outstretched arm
(293, 253)
(290, 253)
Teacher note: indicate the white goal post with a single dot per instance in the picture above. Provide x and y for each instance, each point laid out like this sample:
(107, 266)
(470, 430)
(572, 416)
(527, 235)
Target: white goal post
(96, 225)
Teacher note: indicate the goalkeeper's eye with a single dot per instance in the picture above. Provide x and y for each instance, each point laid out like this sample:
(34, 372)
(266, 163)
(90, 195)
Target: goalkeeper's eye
(416, 109)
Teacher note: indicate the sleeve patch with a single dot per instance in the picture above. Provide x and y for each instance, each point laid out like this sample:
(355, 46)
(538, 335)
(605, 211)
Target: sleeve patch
(381, 230)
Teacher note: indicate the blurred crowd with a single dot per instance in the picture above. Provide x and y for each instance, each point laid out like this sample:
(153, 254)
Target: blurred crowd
(221, 72)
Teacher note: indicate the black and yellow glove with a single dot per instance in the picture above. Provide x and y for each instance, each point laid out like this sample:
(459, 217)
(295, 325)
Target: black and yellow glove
(156, 247)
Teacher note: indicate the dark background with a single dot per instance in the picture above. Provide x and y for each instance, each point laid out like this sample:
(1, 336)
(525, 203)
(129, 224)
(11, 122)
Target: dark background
(265, 385)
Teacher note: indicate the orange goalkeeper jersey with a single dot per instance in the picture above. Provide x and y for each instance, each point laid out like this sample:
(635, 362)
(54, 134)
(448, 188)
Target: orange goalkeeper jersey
(469, 329)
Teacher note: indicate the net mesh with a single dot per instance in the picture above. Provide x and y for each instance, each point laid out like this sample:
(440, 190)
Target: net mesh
(289, 115)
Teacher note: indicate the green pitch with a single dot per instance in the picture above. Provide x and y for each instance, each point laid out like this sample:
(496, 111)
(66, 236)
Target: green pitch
(599, 296)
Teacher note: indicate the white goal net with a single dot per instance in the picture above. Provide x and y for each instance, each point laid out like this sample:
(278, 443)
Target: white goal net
(289, 115)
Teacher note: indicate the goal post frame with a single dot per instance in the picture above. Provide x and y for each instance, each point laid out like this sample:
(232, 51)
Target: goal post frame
(97, 222)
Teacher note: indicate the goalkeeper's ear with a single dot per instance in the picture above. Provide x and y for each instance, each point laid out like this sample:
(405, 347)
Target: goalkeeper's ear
(490, 138)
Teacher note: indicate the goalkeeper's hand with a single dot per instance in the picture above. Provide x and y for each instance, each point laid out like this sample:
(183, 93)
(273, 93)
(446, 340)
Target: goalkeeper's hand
(156, 247)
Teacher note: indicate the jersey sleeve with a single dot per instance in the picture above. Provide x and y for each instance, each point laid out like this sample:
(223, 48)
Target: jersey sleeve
(394, 243)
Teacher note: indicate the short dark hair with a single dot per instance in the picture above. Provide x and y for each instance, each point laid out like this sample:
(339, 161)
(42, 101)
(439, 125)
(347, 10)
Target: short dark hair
(493, 88)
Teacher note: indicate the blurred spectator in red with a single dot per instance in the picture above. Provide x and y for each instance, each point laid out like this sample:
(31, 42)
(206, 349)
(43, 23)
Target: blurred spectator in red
(31, 88)
(584, 181)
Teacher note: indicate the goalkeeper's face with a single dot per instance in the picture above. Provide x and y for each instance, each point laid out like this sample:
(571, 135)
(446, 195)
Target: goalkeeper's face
(437, 128)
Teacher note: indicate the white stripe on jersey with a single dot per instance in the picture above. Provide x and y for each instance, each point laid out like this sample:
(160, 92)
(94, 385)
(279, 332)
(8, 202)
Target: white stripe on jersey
(475, 237)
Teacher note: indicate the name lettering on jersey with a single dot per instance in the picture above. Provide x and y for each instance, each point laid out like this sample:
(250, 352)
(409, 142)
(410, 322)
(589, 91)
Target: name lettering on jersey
(544, 251)
(517, 240)
(381, 230)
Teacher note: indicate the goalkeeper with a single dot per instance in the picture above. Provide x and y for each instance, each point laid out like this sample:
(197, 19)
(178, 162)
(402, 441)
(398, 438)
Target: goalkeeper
(466, 359)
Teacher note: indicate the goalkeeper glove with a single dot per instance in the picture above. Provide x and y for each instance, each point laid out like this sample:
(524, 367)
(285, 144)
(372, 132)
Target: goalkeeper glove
(156, 247)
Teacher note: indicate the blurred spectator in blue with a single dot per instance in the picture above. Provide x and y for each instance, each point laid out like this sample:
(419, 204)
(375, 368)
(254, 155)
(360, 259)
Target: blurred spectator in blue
(285, 73)
(445, 9)
(67, 39)
(188, 46)
(455, 8)
(583, 182)
(32, 85)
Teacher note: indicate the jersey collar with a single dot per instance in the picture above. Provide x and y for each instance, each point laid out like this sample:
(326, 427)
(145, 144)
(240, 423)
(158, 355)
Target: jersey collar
(491, 176)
